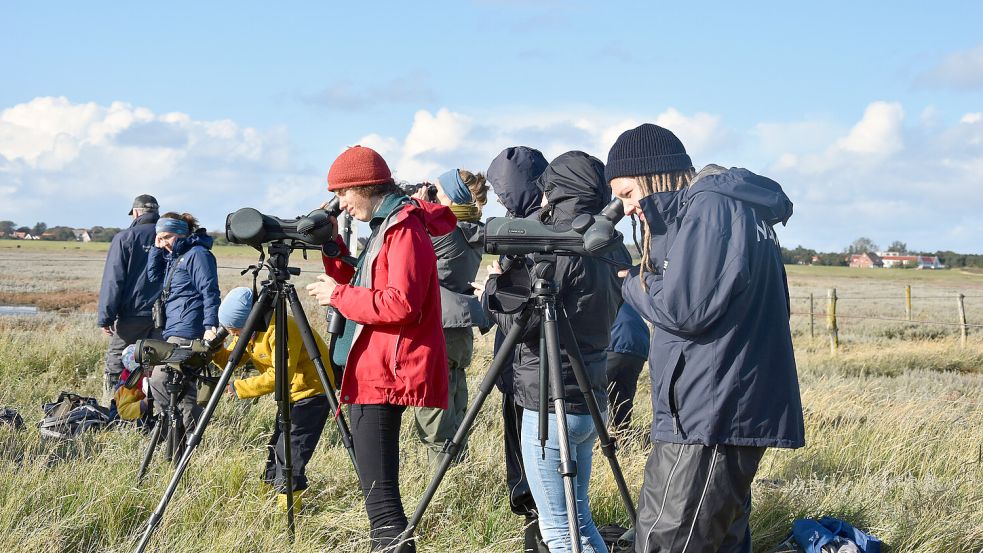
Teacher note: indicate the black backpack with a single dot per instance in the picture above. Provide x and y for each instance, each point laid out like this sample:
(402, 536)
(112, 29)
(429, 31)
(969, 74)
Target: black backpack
(70, 415)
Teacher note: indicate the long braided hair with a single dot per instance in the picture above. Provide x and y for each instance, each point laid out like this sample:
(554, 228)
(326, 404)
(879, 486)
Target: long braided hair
(650, 184)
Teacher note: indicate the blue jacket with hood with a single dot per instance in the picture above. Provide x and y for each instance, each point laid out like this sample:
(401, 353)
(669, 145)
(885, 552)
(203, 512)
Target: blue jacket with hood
(192, 304)
(721, 360)
(126, 292)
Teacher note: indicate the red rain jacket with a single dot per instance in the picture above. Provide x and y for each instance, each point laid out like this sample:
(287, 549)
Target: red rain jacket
(398, 355)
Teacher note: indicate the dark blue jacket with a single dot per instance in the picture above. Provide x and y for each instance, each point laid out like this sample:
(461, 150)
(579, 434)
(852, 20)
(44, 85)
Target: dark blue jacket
(629, 333)
(192, 305)
(126, 291)
(721, 360)
(513, 175)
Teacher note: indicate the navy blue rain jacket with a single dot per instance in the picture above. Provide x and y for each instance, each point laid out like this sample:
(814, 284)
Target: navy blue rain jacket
(513, 175)
(192, 305)
(629, 333)
(126, 291)
(721, 360)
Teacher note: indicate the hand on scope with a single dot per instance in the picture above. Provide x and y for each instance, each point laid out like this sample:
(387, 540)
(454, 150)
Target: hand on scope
(322, 289)
(494, 269)
(210, 333)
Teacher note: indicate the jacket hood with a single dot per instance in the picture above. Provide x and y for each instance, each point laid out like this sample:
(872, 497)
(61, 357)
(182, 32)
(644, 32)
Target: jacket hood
(513, 175)
(437, 219)
(148, 218)
(199, 238)
(574, 184)
(741, 184)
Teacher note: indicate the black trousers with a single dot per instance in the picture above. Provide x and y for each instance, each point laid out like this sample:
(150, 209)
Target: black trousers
(697, 499)
(307, 418)
(623, 371)
(375, 431)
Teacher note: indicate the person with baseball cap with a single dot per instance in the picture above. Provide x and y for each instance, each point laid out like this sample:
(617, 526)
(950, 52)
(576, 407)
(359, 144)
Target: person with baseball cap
(127, 295)
(392, 347)
(724, 383)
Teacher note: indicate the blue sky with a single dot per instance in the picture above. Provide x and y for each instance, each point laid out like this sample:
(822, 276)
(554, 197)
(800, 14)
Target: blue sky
(869, 114)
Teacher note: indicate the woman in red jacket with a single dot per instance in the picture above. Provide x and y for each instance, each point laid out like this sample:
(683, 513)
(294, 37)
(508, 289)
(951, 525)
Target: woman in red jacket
(392, 347)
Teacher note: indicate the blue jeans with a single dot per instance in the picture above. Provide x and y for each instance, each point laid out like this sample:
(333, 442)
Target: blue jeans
(547, 484)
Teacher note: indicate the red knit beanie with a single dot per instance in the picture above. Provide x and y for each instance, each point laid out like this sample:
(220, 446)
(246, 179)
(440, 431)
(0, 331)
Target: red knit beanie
(358, 166)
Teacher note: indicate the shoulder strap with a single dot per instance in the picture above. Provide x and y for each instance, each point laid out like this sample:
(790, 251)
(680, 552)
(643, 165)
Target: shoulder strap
(166, 292)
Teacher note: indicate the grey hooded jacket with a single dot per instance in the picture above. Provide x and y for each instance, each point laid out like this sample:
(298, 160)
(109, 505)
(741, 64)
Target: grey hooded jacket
(721, 360)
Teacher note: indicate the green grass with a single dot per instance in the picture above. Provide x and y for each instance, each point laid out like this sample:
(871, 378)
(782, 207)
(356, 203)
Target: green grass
(894, 430)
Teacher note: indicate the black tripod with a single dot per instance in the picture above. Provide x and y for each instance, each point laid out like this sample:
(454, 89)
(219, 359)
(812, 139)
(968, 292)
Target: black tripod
(276, 294)
(542, 299)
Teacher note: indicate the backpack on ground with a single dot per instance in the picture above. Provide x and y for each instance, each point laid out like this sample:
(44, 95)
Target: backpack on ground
(70, 415)
(11, 417)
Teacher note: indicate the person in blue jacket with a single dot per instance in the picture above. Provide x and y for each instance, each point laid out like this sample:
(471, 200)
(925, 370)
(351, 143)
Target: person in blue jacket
(724, 383)
(182, 263)
(127, 295)
(626, 356)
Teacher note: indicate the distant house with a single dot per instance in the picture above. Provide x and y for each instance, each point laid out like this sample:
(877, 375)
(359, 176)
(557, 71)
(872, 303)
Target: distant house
(896, 259)
(867, 260)
(22, 235)
(82, 235)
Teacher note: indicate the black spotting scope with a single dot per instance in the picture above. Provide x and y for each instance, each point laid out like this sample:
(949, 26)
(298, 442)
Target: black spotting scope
(250, 227)
(587, 234)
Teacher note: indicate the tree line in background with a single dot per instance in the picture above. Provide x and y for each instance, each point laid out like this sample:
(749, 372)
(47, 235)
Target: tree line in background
(806, 256)
(797, 256)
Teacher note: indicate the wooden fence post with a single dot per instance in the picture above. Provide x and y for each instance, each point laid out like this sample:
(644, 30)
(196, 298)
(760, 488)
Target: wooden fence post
(812, 315)
(834, 333)
(963, 328)
(907, 301)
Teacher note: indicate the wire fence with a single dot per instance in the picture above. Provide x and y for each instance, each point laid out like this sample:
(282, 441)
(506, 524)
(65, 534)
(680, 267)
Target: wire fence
(832, 318)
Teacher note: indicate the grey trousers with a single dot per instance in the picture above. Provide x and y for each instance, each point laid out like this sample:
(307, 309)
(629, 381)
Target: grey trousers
(128, 331)
(696, 499)
(436, 426)
(187, 399)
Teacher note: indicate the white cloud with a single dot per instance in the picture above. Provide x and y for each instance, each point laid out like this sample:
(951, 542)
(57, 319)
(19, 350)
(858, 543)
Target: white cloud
(959, 70)
(971, 118)
(886, 178)
(81, 164)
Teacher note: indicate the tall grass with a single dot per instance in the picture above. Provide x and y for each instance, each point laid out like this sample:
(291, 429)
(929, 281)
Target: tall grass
(894, 436)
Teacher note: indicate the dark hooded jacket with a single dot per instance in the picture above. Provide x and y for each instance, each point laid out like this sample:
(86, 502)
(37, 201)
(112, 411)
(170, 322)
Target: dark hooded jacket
(514, 176)
(588, 288)
(126, 292)
(192, 304)
(721, 360)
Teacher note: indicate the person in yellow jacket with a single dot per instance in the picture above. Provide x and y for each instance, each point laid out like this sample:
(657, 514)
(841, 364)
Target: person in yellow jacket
(130, 404)
(309, 405)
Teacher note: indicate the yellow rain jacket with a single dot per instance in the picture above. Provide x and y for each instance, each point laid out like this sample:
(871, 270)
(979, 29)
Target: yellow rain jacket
(129, 402)
(304, 382)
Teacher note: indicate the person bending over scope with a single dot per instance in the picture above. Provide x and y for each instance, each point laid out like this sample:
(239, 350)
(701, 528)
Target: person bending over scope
(309, 408)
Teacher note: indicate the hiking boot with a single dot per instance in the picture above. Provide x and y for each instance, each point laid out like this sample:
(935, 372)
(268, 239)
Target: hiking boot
(281, 500)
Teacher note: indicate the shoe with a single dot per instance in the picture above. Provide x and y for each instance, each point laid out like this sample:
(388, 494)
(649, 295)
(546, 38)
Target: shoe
(281, 500)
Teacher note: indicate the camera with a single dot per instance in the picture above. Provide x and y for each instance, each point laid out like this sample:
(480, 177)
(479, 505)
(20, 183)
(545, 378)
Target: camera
(591, 235)
(250, 227)
(188, 359)
(410, 189)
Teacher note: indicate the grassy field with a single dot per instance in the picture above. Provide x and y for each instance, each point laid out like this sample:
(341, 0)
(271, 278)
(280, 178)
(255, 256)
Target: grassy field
(894, 422)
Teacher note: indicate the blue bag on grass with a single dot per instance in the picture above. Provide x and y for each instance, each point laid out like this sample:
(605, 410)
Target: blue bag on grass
(812, 535)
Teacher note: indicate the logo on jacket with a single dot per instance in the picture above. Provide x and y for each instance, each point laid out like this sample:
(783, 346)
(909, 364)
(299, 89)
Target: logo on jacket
(766, 232)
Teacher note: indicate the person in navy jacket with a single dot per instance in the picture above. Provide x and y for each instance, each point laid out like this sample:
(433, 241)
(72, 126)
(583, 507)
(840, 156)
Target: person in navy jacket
(126, 296)
(724, 383)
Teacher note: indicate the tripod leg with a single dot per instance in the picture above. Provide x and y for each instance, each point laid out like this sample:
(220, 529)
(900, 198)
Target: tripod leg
(310, 344)
(154, 440)
(453, 446)
(568, 467)
(282, 394)
(259, 311)
(608, 444)
(544, 392)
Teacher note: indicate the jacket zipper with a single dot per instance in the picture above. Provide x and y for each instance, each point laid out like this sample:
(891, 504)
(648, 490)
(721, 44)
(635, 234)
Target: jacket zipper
(399, 337)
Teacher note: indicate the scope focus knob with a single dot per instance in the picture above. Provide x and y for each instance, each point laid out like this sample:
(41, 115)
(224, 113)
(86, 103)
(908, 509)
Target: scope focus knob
(582, 222)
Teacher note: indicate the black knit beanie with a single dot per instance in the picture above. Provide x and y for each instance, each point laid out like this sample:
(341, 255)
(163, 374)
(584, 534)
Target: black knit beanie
(647, 149)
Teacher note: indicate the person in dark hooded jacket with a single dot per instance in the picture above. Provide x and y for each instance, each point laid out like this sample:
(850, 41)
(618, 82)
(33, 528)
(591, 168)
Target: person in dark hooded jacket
(182, 263)
(589, 293)
(513, 175)
(126, 297)
(724, 384)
